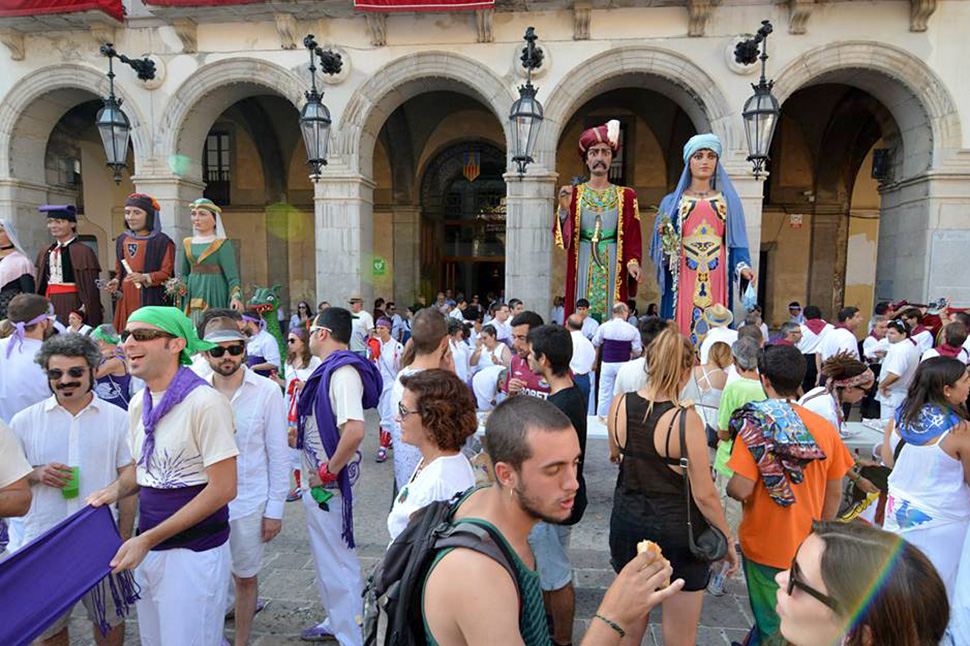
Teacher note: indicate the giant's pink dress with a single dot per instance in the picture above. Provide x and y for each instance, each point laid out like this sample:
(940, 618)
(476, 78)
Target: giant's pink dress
(702, 281)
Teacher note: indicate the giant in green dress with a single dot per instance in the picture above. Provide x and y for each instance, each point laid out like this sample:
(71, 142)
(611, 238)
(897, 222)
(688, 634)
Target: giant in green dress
(209, 271)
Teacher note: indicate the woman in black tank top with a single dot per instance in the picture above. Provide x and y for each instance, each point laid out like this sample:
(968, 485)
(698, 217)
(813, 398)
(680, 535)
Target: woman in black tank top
(650, 500)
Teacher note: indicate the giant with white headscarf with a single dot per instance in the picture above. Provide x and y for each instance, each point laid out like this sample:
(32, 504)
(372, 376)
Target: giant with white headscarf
(206, 263)
(699, 245)
(16, 270)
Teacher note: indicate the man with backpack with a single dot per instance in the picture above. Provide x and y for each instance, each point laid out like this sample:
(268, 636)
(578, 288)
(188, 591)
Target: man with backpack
(535, 454)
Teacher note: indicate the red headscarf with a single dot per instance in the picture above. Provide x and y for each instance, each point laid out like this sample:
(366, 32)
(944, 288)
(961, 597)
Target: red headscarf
(608, 133)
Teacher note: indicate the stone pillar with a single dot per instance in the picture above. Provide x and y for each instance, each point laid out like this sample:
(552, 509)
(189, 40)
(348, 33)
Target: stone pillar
(407, 253)
(530, 208)
(344, 230)
(174, 194)
(751, 193)
(18, 203)
(924, 235)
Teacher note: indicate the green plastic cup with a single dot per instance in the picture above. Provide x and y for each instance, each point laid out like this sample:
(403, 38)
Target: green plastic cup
(72, 488)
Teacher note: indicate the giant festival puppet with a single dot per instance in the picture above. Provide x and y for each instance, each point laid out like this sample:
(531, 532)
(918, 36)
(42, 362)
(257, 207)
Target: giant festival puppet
(699, 245)
(598, 225)
(207, 264)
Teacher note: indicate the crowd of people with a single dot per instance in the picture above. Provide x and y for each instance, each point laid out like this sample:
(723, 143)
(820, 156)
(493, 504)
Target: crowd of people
(192, 423)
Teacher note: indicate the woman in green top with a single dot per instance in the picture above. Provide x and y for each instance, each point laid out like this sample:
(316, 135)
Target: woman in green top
(207, 264)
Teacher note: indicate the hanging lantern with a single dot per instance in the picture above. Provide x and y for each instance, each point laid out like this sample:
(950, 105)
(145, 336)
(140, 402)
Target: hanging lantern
(525, 117)
(315, 118)
(113, 124)
(761, 110)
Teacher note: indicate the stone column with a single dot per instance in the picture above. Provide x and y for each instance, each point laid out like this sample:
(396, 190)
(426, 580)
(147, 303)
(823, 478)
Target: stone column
(18, 203)
(751, 193)
(344, 230)
(530, 208)
(174, 194)
(924, 235)
(407, 253)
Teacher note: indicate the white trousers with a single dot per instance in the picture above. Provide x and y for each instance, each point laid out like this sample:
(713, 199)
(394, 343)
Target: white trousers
(607, 378)
(183, 597)
(338, 571)
(384, 407)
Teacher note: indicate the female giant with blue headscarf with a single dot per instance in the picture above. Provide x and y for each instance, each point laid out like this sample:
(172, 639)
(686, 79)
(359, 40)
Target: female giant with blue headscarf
(699, 245)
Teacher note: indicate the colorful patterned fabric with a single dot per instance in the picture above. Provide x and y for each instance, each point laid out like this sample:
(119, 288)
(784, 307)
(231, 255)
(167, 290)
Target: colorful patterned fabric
(702, 280)
(779, 442)
(931, 422)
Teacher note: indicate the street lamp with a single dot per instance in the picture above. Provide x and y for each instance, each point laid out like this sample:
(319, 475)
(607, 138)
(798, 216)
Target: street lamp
(315, 117)
(113, 125)
(761, 110)
(526, 114)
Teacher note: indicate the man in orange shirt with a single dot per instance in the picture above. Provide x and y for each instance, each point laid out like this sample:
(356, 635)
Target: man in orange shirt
(788, 467)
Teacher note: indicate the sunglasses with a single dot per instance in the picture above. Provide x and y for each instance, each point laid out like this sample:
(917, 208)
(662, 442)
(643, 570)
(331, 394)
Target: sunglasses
(234, 350)
(404, 412)
(797, 580)
(141, 335)
(317, 328)
(75, 372)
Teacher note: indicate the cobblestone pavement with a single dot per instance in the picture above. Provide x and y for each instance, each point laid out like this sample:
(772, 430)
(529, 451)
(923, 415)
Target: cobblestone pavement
(287, 580)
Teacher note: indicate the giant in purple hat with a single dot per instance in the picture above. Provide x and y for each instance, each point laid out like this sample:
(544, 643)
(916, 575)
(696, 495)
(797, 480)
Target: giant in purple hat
(60, 211)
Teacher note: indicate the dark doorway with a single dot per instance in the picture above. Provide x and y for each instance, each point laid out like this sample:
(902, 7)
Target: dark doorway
(463, 223)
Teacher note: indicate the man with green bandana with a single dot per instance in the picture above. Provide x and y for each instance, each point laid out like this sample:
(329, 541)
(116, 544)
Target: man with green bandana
(181, 436)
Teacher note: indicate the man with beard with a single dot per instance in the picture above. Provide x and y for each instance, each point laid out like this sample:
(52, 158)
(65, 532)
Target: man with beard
(535, 454)
(181, 437)
(145, 259)
(521, 378)
(262, 466)
(78, 444)
(67, 271)
(22, 382)
(598, 225)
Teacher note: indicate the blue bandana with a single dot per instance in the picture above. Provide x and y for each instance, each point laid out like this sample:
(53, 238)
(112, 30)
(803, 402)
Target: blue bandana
(931, 422)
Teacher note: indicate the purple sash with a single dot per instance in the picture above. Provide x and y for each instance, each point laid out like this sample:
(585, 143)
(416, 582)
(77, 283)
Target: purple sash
(157, 505)
(616, 351)
(39, 582)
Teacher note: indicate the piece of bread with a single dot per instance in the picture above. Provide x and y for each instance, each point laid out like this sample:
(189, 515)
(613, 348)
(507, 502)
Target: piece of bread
(644, 546)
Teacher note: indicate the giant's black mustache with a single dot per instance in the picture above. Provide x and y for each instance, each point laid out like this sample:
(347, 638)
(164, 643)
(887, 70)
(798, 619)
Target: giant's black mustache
(599, 164)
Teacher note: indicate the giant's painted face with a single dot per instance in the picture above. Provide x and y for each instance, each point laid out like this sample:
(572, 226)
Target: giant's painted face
(598, 159)
(703, 164)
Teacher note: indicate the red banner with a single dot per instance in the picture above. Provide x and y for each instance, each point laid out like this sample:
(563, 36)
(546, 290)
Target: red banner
(406, 6)
(17, 8)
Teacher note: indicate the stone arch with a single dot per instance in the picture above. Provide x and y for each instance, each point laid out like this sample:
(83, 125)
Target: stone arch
(661, 70)
(34, 105)
(921, 105)
(206, 93)
(389, 87)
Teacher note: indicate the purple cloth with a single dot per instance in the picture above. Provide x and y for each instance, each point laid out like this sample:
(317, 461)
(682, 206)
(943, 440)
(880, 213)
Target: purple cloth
(315, 400)
(158, 505)
(183, 383)
(46, 577)
(616, 351)
(255, 360)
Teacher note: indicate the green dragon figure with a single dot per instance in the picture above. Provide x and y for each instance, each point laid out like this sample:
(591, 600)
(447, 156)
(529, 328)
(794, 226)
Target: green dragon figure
(266, 301)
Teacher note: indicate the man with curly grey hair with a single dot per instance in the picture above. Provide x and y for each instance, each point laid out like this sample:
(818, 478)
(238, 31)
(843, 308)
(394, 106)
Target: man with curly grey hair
(77, 444)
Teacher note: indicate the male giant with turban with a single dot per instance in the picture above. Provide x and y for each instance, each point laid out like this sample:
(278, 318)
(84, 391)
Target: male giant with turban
(699, 245)
(145, 259)
(598, 224)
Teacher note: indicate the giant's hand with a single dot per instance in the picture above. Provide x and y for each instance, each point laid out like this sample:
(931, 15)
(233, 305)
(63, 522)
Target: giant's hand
(565, 197)
(747, 274)
(636, 273)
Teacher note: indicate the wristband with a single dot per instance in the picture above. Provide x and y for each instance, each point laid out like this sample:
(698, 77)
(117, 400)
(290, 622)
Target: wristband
(611, 624)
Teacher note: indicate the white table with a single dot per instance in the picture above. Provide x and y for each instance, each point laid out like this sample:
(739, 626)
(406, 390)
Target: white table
(860, 438)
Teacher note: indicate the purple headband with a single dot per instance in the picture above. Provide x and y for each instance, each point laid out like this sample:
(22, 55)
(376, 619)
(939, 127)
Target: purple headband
(384, 322)
(20, 328)
(260, 322)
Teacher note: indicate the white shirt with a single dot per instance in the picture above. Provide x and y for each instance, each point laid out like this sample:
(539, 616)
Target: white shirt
(56, 263)
(584, 354)
(618, 330)
(837, 340)
(821, 403)
(810, 341)
(397, 326)
(263, 344)
(902, 361)
(871, 345)
(13, 468)
(924, 340)
(460, 353)
(346, 402)
(457, 314)
(294, 374)
(503, 331)
(363, 324)
(630, 377)
(764, 331)
(406, 456)
(200, 365)
(440, 480)
(95, 440)
(557, 315)
(963, 355)
(22, 382)
(722, 334)
(195, 434)
(485, 387)
(389, 362)
(263, 463)
(732, 374)
(589, 327)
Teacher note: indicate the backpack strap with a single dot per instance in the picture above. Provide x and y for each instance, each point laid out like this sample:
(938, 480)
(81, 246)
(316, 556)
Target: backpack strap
(482, 539)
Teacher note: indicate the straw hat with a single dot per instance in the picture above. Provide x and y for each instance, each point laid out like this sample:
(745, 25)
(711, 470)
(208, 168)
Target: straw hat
(718, 316)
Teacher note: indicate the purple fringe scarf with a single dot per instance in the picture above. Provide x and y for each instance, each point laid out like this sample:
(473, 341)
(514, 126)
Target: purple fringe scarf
(39, 582)
(183, 383)
(315, 400)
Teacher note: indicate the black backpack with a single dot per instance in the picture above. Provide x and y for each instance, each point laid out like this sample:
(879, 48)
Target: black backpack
(396, 585)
